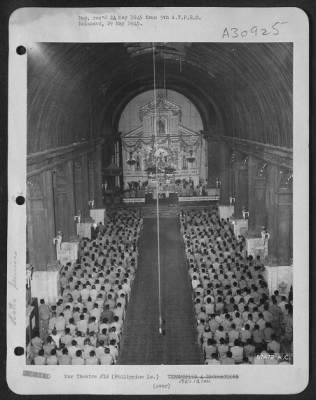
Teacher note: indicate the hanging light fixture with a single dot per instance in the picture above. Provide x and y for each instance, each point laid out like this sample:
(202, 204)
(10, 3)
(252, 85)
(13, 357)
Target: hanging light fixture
(191, 157)
(289, 179)
(131, 161)
(169, 170)
(261, 171)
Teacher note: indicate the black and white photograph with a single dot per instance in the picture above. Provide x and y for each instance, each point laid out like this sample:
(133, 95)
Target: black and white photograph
(166, 201)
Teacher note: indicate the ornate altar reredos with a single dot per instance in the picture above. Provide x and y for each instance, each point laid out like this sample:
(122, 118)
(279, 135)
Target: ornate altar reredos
(162, 145)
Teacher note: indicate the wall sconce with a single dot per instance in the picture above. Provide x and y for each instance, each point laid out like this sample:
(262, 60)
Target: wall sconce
(77, 218)
(218, 183)
(261, 170)
(245, 213)
(191, 157)
(131, 161)
(29, 275)
(289, 179)
(91, 203)
(286, 178)
(232, 200)
(265, 235)
(282, 287)
(233, 157)
(58, 239)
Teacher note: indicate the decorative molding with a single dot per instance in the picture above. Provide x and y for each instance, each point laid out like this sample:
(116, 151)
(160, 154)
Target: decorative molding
(60, 178)
(49, 159)
(34, 189)
(281, 156)
(78, 164)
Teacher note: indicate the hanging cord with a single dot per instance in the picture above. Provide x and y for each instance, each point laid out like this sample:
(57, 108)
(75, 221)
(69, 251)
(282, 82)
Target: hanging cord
(157, 191)
(164, 77)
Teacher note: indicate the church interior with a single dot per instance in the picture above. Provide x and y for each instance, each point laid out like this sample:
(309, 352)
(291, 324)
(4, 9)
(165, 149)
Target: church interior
(159, 203)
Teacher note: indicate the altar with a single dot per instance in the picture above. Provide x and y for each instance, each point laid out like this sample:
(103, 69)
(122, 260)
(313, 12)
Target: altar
(163, 194)
(240, 226)
(46, 283)
(163, 149)
(162, 185)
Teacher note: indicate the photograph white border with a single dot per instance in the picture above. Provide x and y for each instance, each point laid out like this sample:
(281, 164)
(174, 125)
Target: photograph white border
(31, 25)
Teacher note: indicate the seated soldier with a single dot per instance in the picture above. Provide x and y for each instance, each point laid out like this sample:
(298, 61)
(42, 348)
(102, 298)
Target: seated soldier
(274, 345)
(40, 359)
(106, 358)
(36, 345)
(222, 348)
(228, 359)
(78, 359)
(237, 352)
(49, 346)
(92, 359)
(249, 349)
(209, 348)
(52, 358)
(113, 350)
(72, 350)
(65, 358)
(213, 360)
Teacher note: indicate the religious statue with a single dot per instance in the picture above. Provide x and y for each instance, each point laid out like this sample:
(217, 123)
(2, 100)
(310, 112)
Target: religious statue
(184, 162)
(161, 127)
(160, 160)
(265, 235)
(137, 162)
(57, 240)
(245, 213)
(29, 275)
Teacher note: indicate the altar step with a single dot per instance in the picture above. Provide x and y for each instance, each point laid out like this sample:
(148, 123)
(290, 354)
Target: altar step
(165, 211)
(192, 205)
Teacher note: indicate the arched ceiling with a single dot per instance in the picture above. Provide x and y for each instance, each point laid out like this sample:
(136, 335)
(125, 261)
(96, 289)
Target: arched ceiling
(78, 91)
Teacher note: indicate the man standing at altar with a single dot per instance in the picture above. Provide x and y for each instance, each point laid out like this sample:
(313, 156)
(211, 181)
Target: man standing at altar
(137, 162)
(191, 183)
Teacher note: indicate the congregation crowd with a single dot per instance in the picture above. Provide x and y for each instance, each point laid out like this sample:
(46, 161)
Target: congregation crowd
(238, 320)
(85, 325)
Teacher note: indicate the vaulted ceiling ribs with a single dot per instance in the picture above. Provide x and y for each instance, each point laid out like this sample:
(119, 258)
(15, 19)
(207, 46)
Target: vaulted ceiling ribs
(241, 90)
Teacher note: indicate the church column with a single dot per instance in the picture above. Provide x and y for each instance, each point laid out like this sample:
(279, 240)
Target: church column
(91, 178)
(285, 220)
(49, 192)
(232, 184)
(256, 195)
(85, 183)
(81, 185)
(98, 176)
(120, 149)
(213, 163)
(241, 184)
(64, 199)
(272, 185)
(225, 174)
(40, 221)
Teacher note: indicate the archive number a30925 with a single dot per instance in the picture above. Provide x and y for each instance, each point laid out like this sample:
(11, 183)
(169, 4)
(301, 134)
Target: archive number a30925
(252, 32)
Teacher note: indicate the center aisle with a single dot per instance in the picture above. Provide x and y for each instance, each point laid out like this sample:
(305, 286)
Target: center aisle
(141, 341)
